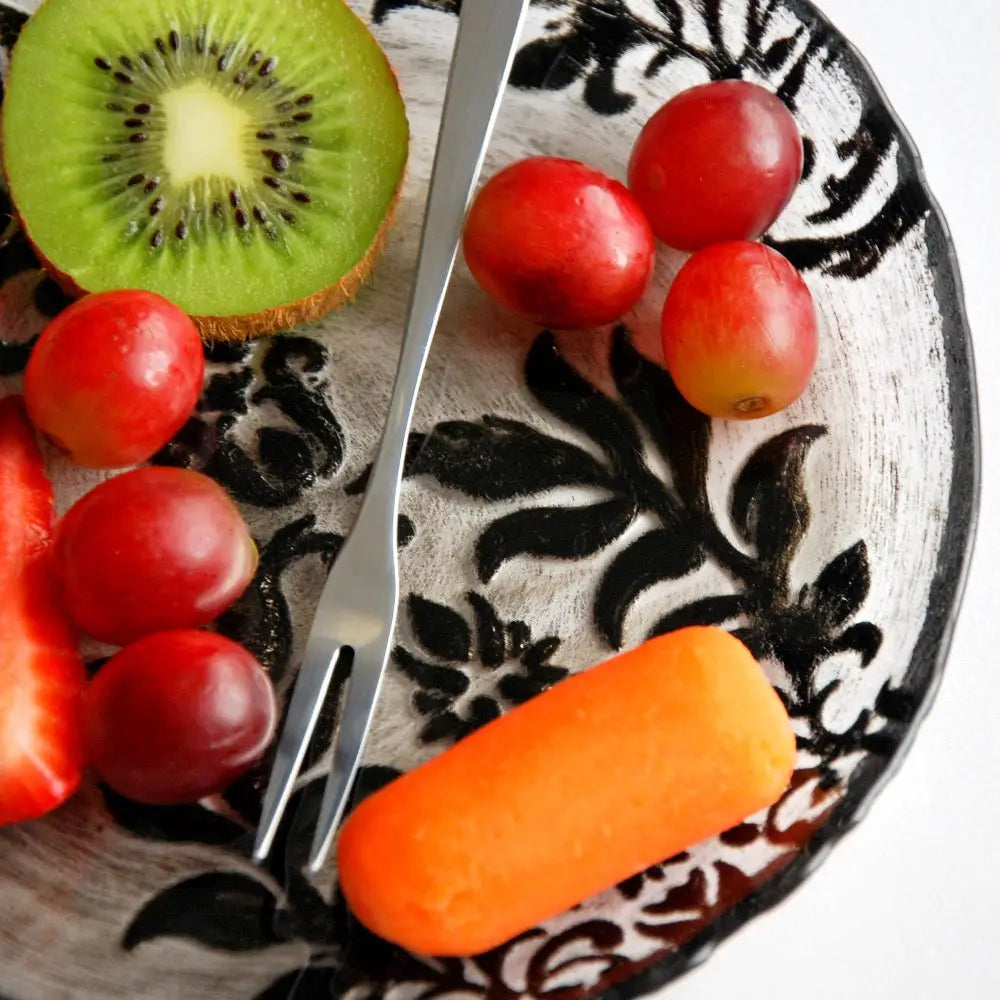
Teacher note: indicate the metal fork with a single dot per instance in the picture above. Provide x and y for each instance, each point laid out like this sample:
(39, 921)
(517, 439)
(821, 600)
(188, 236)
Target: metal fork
(357, 609)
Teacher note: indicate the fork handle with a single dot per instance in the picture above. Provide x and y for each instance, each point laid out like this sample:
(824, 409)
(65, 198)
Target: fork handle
(484, 52)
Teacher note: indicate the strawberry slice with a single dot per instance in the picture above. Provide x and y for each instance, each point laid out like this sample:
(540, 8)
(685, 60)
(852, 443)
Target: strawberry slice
(41, 675)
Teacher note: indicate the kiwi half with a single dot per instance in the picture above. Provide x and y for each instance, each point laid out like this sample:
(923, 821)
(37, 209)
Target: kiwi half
(240, 157)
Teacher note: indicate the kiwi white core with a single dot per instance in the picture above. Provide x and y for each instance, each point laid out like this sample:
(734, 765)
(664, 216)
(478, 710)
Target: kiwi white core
(205, 136)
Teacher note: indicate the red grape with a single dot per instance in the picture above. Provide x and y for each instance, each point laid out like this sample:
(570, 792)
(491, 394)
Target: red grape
(560, 243)
(717, 163)
(739, 331)
(177, 716)
(152, 549)
(114, 377)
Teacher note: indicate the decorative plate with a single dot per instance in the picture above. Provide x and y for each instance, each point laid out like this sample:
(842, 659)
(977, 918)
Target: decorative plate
(561, 503)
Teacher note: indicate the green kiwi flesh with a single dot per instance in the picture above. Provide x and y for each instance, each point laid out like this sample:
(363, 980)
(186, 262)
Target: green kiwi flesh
(240, 157)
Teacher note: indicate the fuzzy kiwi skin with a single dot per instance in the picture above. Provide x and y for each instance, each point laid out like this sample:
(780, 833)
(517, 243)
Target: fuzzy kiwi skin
(247, 326)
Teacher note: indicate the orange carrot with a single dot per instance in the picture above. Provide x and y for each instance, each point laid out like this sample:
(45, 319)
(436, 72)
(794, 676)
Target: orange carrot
(609, 772)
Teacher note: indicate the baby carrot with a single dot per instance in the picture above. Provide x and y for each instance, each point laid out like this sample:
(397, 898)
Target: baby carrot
(609, 772)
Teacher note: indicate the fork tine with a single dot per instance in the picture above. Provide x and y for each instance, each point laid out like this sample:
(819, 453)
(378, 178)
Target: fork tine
(311, 687)
(362, 693)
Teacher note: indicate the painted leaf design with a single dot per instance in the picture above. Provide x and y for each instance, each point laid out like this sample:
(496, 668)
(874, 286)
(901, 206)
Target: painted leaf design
(177, 824)
(441, 631)
(658, 555)
(283, 461)
(791, 86)
(760, 13)
(554, 532)
(869, 148)
(229, 910)
(218, 456)
(601, 937)
(672, 14)
(229, 352)
(193, 447)
(591, 41)
(707, 611)
(842, 587)
(897, 704)
(681, 434)
(692, 895)
(564, 392)
(519, 688)
(779, 52)
(490, 638)
(864, 638)
(226, 392)
(541, 652)
(500, 459)
(288, 366)
(551, 63)
(741, 836)
(284, 453)
(756, 641)
(769, 505)
(518, 637)
(431, 676)
(858, 253)
(712, 13)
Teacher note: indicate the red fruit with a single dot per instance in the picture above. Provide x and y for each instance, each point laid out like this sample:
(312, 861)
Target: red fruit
(717, 163)
(739, 331)
(41, 676)
(178, 716)
(152, 549)
(560, 243)
(114, 377)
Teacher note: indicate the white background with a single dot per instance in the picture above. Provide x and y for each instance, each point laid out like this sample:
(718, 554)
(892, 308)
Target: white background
(906, 906)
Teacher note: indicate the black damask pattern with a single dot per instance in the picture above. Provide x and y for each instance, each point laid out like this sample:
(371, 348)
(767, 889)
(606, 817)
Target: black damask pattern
(288, 458)
(519, 667)
(587, 40)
